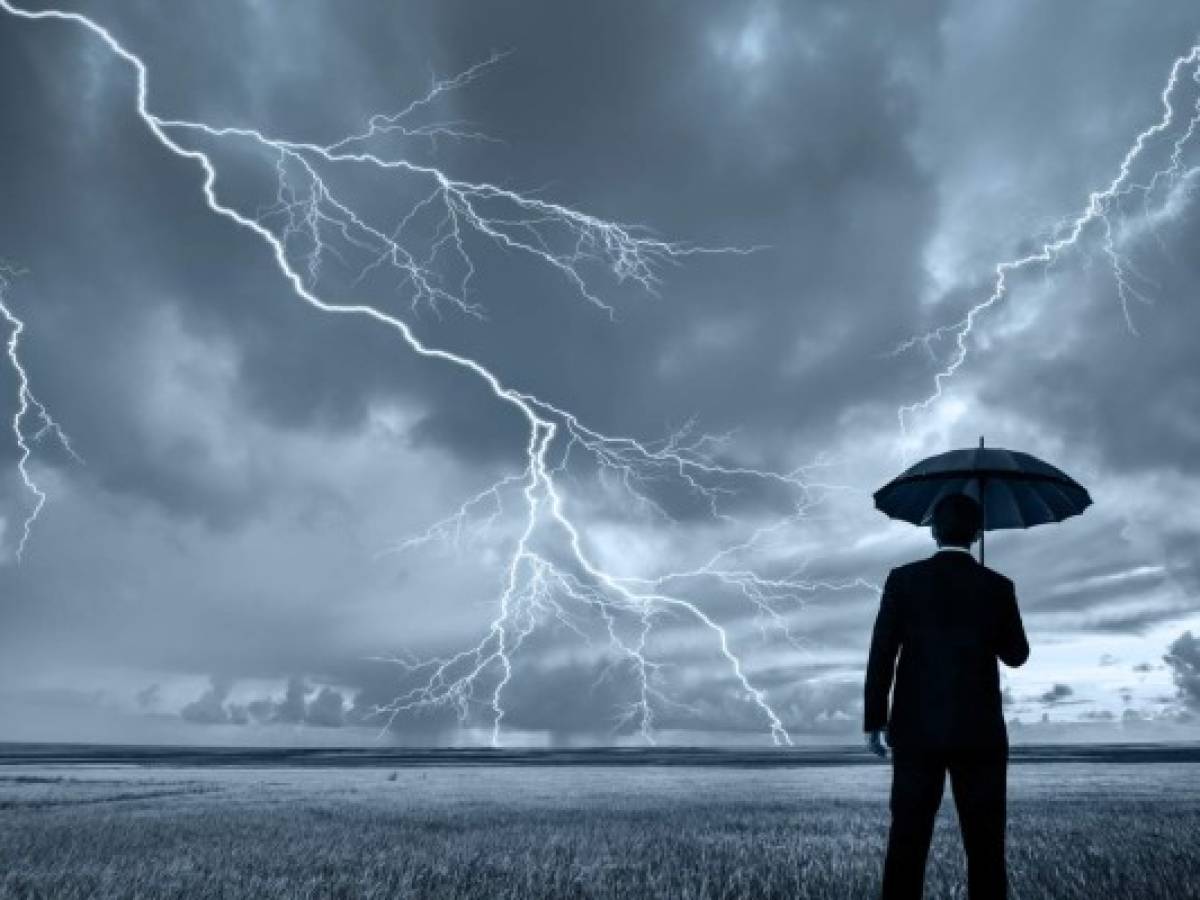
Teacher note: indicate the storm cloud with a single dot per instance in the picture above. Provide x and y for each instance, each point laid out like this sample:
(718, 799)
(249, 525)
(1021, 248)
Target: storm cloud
(250, 467)
(1183, 657)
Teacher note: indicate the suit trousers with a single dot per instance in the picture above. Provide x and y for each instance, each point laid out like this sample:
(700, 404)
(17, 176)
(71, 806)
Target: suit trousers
(978, 779)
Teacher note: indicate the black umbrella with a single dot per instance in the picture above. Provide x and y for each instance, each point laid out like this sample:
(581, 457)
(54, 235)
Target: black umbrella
(1016, 490)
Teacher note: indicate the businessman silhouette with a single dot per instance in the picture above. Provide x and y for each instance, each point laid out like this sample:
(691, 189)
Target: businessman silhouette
(948, 618)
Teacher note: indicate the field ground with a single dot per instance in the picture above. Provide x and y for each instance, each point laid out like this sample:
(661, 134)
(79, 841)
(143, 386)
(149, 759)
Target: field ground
(1106, 830)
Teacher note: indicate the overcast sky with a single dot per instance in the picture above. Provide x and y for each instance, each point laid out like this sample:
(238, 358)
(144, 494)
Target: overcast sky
(225, 563)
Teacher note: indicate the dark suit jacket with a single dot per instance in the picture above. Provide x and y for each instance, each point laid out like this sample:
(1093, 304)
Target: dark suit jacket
(949, 618)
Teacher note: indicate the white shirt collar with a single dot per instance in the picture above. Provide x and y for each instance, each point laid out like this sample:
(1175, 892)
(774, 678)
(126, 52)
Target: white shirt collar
(966, 550)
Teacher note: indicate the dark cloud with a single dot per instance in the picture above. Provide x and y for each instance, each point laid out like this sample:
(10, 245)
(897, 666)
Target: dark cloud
(209, 708)
(325, 707)
(842, 191)
(1183, 656)
(298, 369)
(1148, 394)
(149, 697)
(301, 705)
(1057, 694)
(292, 707)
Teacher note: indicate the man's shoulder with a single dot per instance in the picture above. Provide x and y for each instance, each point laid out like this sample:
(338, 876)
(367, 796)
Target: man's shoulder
(906, 571)
(995, 581)
(930, 565)
(998, 578)
(909, 567)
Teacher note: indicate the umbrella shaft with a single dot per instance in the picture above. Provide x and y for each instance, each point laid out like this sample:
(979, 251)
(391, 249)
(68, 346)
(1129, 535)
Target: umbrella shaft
(983, 514)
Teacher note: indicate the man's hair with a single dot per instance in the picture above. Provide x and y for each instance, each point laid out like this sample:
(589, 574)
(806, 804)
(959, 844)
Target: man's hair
(957, 519)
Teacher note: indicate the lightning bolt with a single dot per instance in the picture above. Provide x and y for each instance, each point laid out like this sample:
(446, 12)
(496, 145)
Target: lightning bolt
(27, 405)
(1162, 196)
(550, 577)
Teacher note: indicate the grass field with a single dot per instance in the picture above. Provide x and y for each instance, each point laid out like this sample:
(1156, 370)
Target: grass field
(1088, 830)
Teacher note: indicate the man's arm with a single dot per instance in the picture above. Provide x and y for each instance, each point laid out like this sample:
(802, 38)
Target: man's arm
(881, 661)
(1012, 646)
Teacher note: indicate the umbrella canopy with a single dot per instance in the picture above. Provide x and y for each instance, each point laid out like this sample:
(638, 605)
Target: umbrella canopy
(1016, 490)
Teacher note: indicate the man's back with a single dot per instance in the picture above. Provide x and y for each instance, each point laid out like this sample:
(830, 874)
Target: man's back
(949, 619)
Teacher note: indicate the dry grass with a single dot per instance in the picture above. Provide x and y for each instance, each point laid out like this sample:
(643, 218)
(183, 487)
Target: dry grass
(529, 834)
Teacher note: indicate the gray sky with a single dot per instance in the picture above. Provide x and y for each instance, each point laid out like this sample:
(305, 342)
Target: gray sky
(227, 564)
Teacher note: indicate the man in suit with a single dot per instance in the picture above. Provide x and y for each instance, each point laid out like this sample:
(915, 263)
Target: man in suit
(948, 618)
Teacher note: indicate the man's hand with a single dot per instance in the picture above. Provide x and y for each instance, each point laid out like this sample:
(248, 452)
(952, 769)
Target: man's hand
(876, 745)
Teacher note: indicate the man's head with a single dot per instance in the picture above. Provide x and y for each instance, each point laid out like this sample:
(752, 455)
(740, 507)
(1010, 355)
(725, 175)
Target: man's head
(957, 520)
